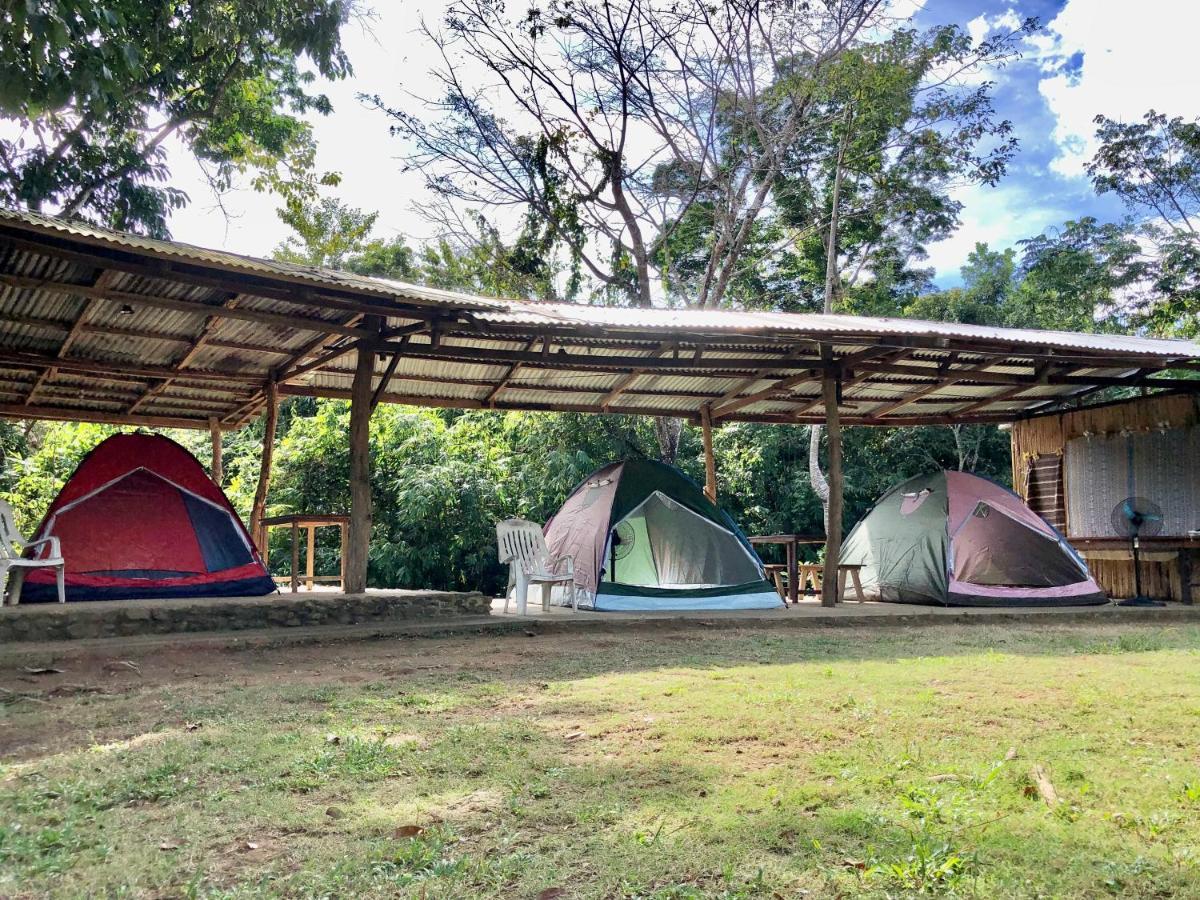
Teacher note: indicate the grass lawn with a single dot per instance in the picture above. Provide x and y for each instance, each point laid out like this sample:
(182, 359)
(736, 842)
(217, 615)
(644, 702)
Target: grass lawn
(719, 762)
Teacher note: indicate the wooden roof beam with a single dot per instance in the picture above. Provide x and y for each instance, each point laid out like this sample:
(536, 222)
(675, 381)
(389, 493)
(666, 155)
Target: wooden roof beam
(626, 382)
(70, 414)
(282, 320)
(512, 370)
(99, 280)
(22, 360)
(579, 361)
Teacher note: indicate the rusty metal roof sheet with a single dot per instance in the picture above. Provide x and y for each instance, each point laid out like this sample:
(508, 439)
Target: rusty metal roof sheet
(95, 324)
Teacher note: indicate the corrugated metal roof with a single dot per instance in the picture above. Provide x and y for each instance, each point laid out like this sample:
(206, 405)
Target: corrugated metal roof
(94, 323)
(818, 325)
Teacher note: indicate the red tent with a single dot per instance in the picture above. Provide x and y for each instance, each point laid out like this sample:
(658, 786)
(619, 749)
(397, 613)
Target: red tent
(141, 518)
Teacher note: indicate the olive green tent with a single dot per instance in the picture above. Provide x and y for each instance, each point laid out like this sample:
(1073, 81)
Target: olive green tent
(957, 539)
(643, 536)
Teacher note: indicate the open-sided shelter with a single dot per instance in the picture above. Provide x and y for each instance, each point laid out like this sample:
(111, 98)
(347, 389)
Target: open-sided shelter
(141, 518)
(97, 325)
(644, 537)
(956, 539)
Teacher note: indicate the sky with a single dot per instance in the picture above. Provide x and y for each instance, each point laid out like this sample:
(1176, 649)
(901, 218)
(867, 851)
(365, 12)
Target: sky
(1111, 57)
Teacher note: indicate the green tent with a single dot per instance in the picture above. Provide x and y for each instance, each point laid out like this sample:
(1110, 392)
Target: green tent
(644, 537)
(957, 539)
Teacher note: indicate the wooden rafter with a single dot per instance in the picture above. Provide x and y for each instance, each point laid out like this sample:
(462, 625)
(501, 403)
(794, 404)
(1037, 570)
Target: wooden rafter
(100, 279)
(188, 355)
(510, 372)
(263, 317)
(624, 384)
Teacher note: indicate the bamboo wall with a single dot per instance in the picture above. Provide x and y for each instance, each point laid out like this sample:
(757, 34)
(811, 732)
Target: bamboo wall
(1049, 434)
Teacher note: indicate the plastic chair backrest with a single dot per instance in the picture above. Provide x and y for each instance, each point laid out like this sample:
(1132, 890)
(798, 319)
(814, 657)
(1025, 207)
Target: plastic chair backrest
(10, 538)
(519, 540)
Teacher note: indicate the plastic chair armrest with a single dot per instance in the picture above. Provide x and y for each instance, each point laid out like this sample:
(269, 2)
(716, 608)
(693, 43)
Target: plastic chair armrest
(55, 547)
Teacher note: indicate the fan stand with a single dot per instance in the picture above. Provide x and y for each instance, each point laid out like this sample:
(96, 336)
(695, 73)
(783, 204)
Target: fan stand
(1138, 598)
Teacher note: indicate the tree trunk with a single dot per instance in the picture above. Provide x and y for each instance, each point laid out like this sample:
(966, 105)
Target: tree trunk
(258, 509)
(816, 477)
(668, 430)
(819, 485)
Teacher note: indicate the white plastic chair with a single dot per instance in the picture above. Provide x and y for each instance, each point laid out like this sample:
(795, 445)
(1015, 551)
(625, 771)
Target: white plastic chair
(12, 545)
(522, 546)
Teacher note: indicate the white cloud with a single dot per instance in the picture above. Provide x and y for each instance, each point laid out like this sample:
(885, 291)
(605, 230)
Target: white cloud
(1135, 58)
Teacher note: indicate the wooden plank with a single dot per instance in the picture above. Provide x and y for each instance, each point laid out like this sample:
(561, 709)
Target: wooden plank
(99, 281)
(66, 414)
(734, 405)
(507, 376)
(596, 362)
(23, 360)
(293, 322)
(381, 388)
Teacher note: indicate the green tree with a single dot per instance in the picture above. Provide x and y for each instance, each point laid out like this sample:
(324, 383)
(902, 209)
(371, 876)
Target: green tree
(97, 87)
(1153, 166)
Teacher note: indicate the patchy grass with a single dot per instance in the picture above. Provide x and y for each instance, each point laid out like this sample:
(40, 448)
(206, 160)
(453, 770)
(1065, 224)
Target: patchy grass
(745, 763)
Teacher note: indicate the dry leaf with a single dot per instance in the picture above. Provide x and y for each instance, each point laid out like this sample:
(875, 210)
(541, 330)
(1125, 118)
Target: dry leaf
(946, 777)
(192, 726)
(551, 892)
(114, 664)
(332, 739)
(854, 864)
(41, 670)
(1011, 754)
(576, 735)
(250, 845)
(168, 845)
(409, 831)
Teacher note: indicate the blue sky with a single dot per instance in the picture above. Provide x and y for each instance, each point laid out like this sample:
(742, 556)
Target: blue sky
(1089, 57)
(1114, 57)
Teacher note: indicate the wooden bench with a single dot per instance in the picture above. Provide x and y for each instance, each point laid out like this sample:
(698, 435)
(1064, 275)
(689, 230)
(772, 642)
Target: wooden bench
(852, 571)
(808, 578)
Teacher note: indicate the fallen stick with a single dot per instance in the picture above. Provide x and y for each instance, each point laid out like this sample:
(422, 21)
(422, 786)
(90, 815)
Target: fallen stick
(1044, 786)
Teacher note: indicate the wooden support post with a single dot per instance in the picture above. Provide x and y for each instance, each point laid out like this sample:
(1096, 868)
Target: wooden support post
(833, 536)
(710, 464)
(309, 562)
(258, 510)
(295, 557)
(360, 466)
(214, 430)
(342, 557)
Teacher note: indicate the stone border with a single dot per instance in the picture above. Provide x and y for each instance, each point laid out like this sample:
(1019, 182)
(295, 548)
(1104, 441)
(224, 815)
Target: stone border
(125, 618)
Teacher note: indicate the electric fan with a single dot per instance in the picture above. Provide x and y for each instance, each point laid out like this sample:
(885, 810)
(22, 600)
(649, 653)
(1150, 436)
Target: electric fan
(1135, 518)
(620, 545)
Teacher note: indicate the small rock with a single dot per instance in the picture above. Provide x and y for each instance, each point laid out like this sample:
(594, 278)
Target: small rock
(335, 813)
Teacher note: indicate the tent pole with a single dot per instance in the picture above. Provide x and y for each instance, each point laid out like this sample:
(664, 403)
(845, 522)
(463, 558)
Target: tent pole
(833, 535)
(257, 532)
(214, 431)
(360, 465)
(710, 463)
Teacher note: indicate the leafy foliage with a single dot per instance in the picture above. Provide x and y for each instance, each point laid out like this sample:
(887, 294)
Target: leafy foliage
(98, 88)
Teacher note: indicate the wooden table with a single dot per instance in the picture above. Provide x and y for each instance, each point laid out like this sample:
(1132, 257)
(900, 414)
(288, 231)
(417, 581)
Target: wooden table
(792, 543)
(1160, 548)
(310, 524)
